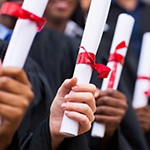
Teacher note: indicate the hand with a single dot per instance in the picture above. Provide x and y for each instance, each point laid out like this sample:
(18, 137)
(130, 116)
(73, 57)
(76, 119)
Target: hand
(78, 105)
(111, 108)
(15, 97)
(143, 115)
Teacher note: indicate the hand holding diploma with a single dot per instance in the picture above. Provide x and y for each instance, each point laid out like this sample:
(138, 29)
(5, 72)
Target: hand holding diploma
(118, 51)
(142, 85)
(90, 41)
(25, 29)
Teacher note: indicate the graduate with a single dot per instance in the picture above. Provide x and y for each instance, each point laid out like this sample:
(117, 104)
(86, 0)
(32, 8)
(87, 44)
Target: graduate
(47, 135)
(139, 10)
(46, 42)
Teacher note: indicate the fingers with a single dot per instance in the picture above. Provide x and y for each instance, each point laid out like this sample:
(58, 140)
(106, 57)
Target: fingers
(16, 73)
(80, 108)
(14, 100)
(111, 93)
(109, 111)
(80, 112)
(82, 97)
(111, 107)
(108, 120)
(143, 115)
(112, 98)
(112, 102)
(79, 104)
(11, 114)
(82, 93)
(14, 80)
(84, 123)
(66, 86)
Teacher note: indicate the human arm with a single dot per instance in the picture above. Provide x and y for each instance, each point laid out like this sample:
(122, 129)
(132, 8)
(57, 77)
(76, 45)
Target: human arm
(15, 97)
(78, 105)
(111, 108)
(143, 115)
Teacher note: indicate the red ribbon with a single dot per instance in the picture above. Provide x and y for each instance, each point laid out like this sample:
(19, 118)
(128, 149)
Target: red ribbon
(17, 11)
(147, 93)
(89, 58)
(117, 58)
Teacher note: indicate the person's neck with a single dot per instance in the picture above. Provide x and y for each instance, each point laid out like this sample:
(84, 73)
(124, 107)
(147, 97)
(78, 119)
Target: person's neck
(128, 5)
(59, 26)
(8, 21)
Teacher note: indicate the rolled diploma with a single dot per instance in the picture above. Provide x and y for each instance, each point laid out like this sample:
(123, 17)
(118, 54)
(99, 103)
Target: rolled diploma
(91, 37)
(123, 32)
(23, 35)
(139, 97)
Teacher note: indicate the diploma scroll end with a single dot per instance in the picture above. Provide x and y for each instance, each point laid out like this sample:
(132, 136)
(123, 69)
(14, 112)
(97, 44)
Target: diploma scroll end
(98, 130)
(69, 127)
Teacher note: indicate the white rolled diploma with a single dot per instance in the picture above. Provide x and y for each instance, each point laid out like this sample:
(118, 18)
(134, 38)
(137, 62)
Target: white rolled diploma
(141, 85)
(94, 27)
(23, 35)
(122, 32)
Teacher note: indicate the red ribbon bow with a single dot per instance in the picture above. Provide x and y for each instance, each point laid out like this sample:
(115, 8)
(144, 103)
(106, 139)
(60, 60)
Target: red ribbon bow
(16, 10)
(117, 58)
(147, 93)
(89, 58)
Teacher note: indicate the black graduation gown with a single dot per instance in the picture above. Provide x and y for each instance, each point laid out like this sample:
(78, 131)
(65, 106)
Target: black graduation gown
(57, 53)
(39, 107)
(129, 126)
(41, 140)
(30, 135)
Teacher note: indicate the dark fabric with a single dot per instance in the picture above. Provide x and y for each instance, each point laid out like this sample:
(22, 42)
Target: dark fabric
(14, 144)
(75, 143)
(56, 54)
(30, 135)
(39, 107)
(117, 142)
(129, 127)
(41, 140)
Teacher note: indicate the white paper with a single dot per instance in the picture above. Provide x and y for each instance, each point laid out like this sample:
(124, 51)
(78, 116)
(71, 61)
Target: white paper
(142, 85)
(23, 35)
(94, 27)
(123, 32)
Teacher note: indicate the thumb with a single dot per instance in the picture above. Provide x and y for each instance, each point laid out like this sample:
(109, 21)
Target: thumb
(66, 86)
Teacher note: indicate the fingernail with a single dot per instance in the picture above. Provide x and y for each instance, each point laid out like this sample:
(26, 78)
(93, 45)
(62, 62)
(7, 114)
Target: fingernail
(75, 87)
(67, 96)
(63, 105)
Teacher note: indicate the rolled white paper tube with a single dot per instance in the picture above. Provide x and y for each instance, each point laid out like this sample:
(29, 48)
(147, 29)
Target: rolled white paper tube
(23, 35)
(141, 85)
(123, 32)
(94, 27)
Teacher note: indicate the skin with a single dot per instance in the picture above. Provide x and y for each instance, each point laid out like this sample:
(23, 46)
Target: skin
(111, 108)
(82, 94)
(15, 97)
(143, 113)
(78, 105)
(6, 20)
(58, 12)
(129, 5)
(85, 4)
